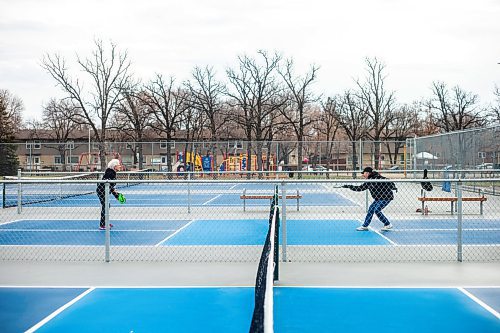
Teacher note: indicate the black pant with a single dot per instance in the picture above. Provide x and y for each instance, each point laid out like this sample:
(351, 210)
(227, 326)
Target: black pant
(103, 210)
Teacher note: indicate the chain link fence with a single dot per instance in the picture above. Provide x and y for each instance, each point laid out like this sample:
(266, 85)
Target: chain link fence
(200, 217)
(471, 149)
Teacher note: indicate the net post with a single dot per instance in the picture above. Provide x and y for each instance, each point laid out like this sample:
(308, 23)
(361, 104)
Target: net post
(283, 210)
(4, 197)
(459, 217)
(276, 258)
(107, 240)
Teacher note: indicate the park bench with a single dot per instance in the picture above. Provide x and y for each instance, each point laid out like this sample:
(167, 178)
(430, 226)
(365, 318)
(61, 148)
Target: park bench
(452, 201)
(246, 197)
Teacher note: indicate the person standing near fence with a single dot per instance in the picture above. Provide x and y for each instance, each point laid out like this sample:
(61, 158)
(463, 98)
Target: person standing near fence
(110, 174)
(382, 195)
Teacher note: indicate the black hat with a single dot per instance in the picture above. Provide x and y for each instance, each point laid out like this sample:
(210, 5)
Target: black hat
(367, 169)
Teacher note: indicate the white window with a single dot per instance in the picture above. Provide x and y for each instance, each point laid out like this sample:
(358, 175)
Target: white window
(70, 145)
(57, 160)
(481, 154)
(33, 145)
(163, 144)
(34, 160)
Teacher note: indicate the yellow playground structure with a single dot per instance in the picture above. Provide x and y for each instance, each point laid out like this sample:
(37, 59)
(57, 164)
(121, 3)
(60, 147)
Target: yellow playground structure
(239, 163)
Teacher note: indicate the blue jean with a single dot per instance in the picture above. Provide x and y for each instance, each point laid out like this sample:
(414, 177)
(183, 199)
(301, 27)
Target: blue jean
(376, 208)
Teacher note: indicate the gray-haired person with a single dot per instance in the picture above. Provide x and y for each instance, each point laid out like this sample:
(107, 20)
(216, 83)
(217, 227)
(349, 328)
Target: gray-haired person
(110, 174)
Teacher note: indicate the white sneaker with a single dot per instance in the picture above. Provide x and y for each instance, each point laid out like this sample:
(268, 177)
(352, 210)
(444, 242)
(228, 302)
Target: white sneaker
(362, 228)
(386, 227)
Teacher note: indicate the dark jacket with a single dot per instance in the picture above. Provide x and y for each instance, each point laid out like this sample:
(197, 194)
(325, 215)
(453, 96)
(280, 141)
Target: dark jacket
(378, 190)
(109, 174)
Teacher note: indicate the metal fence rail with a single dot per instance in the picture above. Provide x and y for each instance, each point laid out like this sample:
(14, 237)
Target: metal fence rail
(172, 217)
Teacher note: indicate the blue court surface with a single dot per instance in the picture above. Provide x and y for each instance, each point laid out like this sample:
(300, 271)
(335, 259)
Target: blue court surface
(229, 309)
(245, 232)
(163, 195)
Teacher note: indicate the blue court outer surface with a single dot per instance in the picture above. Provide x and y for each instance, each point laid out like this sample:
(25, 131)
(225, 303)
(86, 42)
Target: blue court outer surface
(21, 308)
(379, 310)
(158, 310)
(229, 309)
(181, 199)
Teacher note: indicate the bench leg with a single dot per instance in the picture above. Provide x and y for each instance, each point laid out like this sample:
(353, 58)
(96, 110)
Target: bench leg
(452, 208)
(244, 204)
(481, 207)
(423, 202)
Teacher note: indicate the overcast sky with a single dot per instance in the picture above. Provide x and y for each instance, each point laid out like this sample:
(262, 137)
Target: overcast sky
(455, 41)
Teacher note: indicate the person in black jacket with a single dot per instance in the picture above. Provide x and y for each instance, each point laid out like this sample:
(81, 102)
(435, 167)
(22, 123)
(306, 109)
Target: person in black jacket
(109, 174)
(381, 193)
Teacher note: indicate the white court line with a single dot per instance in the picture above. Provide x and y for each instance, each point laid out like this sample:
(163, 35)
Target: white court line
(58, 311)
(175, 233)
(382, 235)
(478, 301)
(11, 222)
(86, 230)
(450, 229)
(379, 233)
(207, 202)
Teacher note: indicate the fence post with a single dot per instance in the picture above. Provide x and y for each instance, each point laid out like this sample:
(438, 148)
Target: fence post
(283, 219)
(459, 224)
(107, 240)
(366, 201)
(189, 192)
(19, 193)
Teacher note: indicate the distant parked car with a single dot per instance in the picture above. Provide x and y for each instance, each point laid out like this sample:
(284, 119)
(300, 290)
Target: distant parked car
(485, 166)
(394, 167)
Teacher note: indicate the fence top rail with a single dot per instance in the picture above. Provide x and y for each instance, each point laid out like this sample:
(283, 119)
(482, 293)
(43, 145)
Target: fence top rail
(246, 181)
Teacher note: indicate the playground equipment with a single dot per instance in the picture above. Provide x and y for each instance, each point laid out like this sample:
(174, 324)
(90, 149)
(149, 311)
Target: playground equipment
(92, 161)
(239, 163)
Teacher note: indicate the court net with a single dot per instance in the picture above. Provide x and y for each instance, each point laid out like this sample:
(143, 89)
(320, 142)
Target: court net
(267, 273)
(16, 193)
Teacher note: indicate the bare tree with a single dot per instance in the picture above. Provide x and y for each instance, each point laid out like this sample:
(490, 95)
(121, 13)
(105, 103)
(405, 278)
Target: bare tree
(12, 108)
(455, 110)
(403, 125)
(495, 109)
(207, 93)
(352, 121)
(132, 119)
(168, 104)
(257, 94)
(328, 125)
(57, 122)
(377, 102)
(299, 89)
(192, 122)
(108, 77)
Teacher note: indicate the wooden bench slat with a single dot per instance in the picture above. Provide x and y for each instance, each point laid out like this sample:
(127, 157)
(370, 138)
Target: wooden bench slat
(451, 199)
(269, 197)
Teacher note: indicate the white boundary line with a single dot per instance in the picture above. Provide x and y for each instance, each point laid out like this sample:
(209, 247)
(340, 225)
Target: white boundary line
(175, 233)
(207, 202)
(58, 311)
(481, 303)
